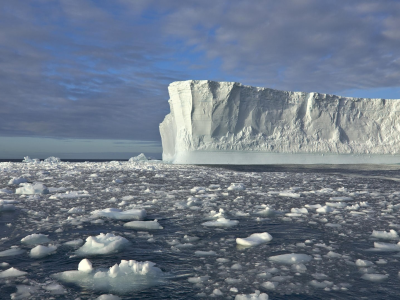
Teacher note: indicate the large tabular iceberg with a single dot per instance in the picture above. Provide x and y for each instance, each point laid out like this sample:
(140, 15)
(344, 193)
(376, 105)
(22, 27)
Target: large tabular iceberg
(230, 123)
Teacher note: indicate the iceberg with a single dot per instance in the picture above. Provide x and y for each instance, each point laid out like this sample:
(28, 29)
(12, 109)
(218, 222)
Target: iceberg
(230, 123)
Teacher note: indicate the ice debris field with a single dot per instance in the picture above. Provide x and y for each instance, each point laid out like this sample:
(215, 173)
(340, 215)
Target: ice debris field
(147, 230)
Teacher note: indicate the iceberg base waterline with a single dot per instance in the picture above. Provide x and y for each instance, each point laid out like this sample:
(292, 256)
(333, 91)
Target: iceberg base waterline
(261, 158)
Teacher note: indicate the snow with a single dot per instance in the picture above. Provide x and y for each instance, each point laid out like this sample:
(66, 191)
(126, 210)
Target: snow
(230, 123)
(41, 251)
(30, 189)
(118, 214)
(12, 272)
(144, 225)
(123, 278)
(102, 244)
(35, 239)
(254, 239)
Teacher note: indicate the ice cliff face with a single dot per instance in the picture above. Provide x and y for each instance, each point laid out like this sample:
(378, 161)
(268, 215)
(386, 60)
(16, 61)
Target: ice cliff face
(227, 117)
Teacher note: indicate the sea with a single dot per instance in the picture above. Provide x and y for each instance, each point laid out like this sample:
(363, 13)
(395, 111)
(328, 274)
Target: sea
(159, 231)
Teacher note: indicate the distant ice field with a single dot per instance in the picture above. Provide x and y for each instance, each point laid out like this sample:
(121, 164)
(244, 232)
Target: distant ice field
(142, 229)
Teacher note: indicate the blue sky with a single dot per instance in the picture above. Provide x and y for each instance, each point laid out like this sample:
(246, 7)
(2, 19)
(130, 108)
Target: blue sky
(93, 75)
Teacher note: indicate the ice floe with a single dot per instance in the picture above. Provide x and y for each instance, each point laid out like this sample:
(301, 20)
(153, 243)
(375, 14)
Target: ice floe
(254, 239)
(102, 244)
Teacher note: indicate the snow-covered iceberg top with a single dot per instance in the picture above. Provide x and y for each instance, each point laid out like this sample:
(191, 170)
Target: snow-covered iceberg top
(230, 123)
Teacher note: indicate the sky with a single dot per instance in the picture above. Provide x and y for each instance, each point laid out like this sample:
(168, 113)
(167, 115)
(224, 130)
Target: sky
(89, 78)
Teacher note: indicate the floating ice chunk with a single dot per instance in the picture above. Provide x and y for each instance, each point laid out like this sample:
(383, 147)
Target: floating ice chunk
(118, 214)
(217, 292)
(236, 187)
(144, 225)
(255, 296)
(118, 180)
(76, 210)
(102, 244)
(74, 243)
(254, 239)
(289, 194)
(85, 266)
(381, 261)
(375, 277)
(215, 215)
(11, 252)
(387, 246)
(221, 222)
(236, 267)
(24, 291)
(17, 180)
(124, 278)
(341, 198)
(55, 289)
(12, 272)
(141, 157)
(291, 258)
(391, 235)
(269, 285)
(232, 280)
(42, 251)
(353, 207)
(27, 159)
(108, 297)
(71, 195)
(302, 210)
(199, 279)
(35, 239)
(333, 254)
(205, 253)
(30, 189)
(266, 212)
(364, 263)
(313, 206)
(321, 284)
(301, 268)
(52, 160)
(336, 204)
(198, 189)
(325, 209)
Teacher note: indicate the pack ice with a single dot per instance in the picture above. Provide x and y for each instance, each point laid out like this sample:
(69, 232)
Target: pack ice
(230, 123)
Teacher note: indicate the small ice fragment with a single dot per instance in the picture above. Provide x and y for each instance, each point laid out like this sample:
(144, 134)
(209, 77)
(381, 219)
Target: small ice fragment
(254, 239)
(11, 252)
(302, 210)
(269, 285)
(108, 297)
(144, 225)
(17, 180)
(12, 272)
(102, 244)
(42, 251)
(342, 198)
(125, 278)
(324, 209)
(375, 277)
(321, 284)
(140, 158)
(205, 253)
(301, 268)
(291, 258)
(221, 222)
(199, 279)
(55, 288)
(217, 292)
(85, 266)
(74, 243)
(289, 194)
(255, 296)
(30, 189)
(391, 235)
(76, 210)
(381, 261)
(35, 239)
(386, 246)
(236, 267)
(236, 187)
(364, 263)
(118, 214)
